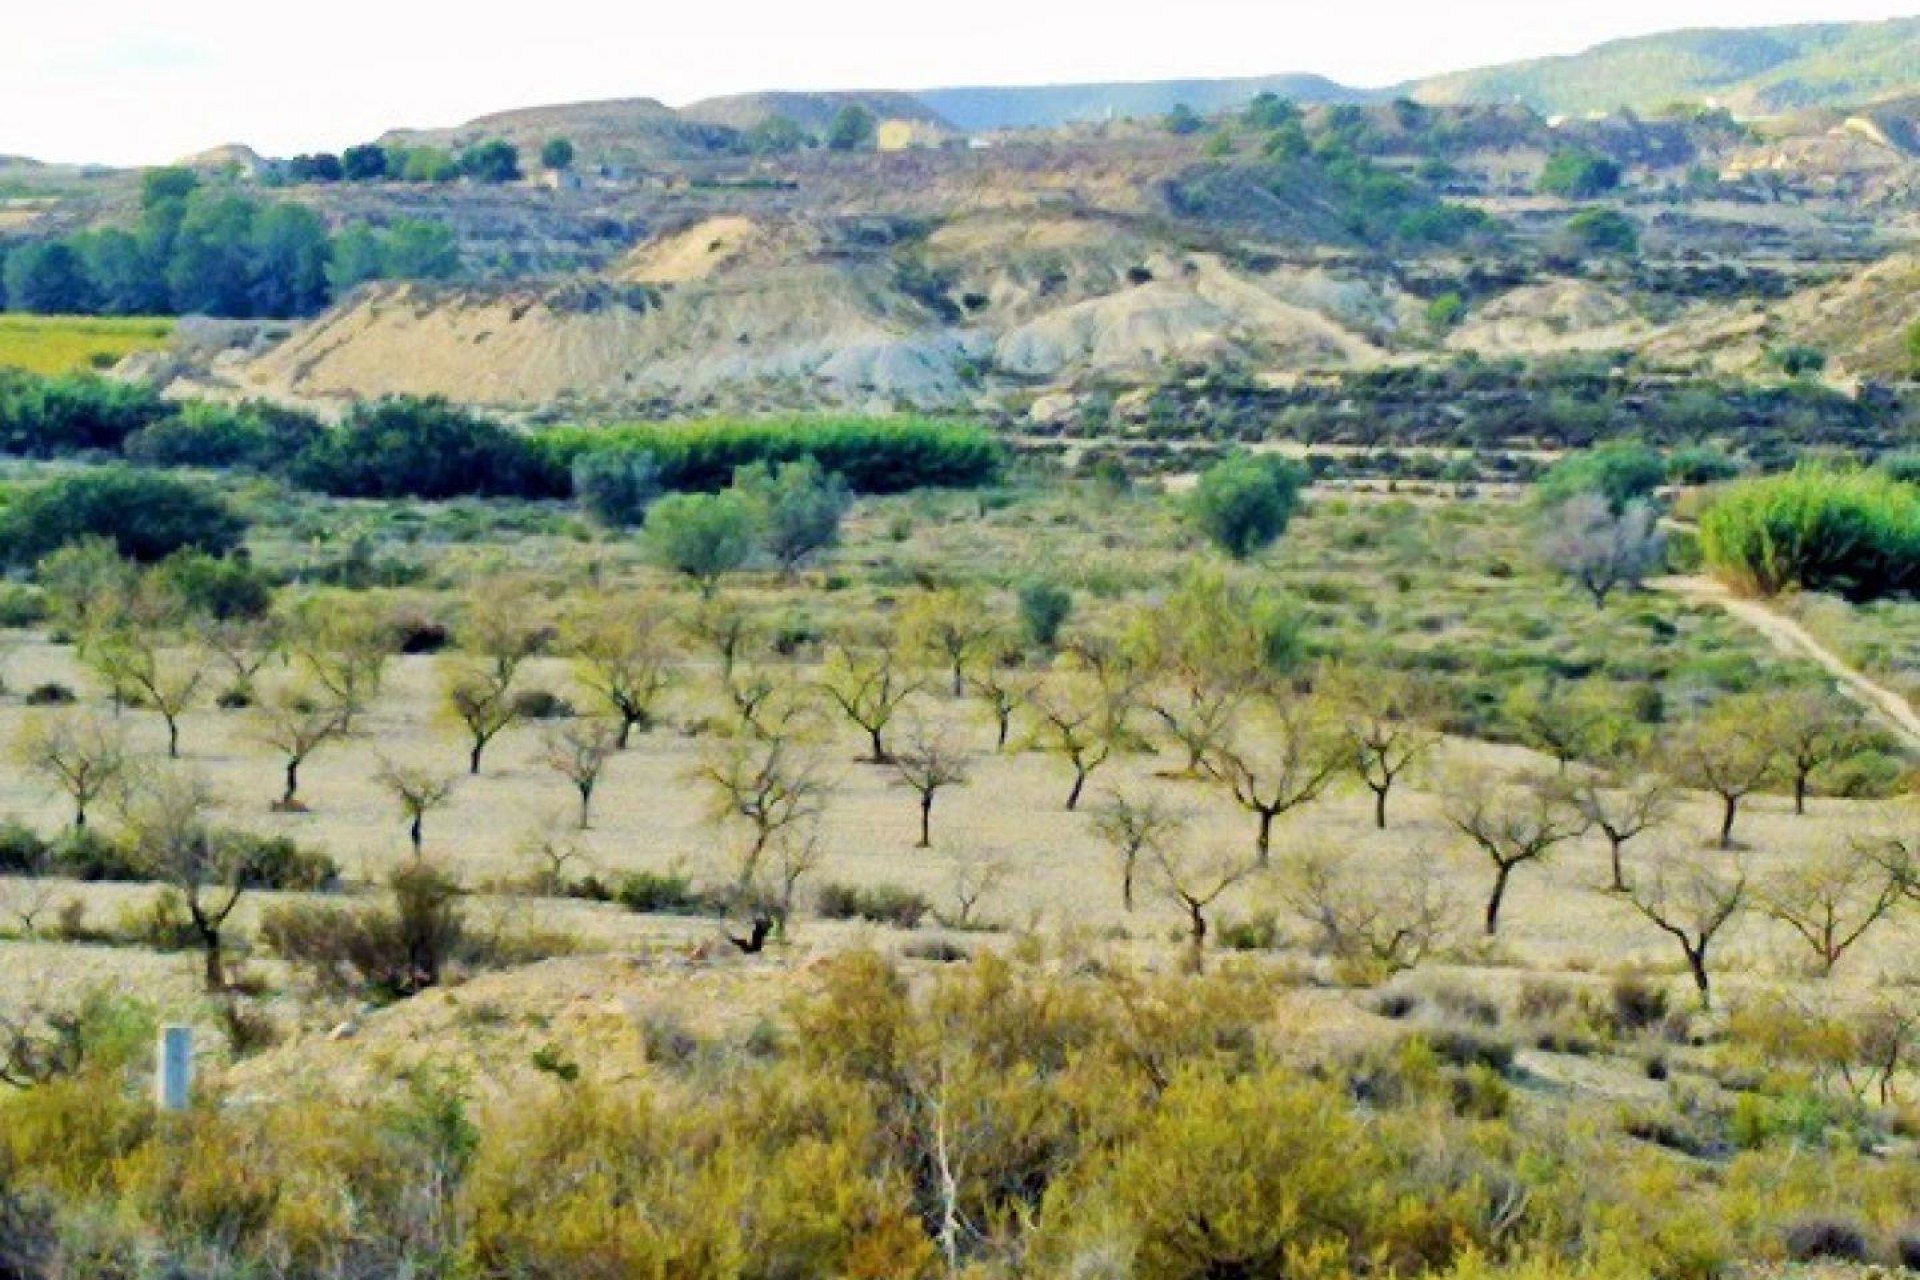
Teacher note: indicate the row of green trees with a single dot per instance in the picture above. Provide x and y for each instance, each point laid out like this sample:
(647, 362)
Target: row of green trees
(210, 251)
(491, 160)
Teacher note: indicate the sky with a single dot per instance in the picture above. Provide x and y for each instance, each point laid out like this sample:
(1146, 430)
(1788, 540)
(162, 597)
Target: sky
(134, 82)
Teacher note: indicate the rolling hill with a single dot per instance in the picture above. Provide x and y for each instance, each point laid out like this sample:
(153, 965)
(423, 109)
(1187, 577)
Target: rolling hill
(1758, 72)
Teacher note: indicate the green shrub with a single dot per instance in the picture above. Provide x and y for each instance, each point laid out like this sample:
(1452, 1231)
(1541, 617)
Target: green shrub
(615, 486)
(873, 455)
(882, 904)
(1622, 473)
(53, 417)
(1852, 533)
(148, 516)
(703, 536)
(1044, 609)
(1244, 504)
(1578, 174)
(407, 447)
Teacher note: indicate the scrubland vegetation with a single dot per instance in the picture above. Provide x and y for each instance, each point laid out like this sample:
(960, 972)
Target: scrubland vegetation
(718, 852)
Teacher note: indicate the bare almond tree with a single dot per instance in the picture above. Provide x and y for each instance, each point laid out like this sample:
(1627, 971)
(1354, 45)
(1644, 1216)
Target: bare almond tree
(1731, 752)
(297, 722)
(168, 820)
(999, 682)
(950, 628)
(1194, 879)
(621, 655)
(1372, 927)
(1077, 722)
(769, 786)
(1812, 729)
(931, 761)
(1513, 823)
(578, 751)
(1622, 808)
(975, 878)
(83, 754)
(1692, 902)
(1284, 754)
(1388, 718)
(343, 647)
(870, 686)
(724, 627)
(418, 792)
(1135, 827)
(1832, 899)
(147, 669)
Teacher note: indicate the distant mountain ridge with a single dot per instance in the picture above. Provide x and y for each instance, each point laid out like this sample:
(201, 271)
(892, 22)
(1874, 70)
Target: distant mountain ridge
(983, 108)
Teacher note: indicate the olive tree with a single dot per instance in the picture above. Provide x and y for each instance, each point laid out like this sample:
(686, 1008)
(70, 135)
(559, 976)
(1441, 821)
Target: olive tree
(701, 536)
(1244, 504)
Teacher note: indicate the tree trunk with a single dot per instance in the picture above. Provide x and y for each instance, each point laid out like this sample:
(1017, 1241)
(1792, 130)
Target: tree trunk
(627, 721)
(1263, 847)
(473, 757)
(926, 820)
(173, 738)
(1197, 915)
(215, 971)
(293, 782)
(1079, 785)
(586, 805)
(878, 746)
(1005, 715)
(80, 817)
(1730, 805)
(1619, 870)
(1800, 793)
(414, 832)
(1697, 963)
(1498, 896)
(959, 682)
(1380, 806)
(1126, 881)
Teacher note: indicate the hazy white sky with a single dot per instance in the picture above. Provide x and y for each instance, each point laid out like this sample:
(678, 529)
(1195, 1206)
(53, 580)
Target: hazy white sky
(132, 81)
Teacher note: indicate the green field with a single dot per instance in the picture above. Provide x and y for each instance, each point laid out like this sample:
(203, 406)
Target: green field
(64, 344)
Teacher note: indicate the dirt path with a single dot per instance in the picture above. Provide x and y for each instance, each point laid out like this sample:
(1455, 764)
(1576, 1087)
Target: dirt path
(1790, 636)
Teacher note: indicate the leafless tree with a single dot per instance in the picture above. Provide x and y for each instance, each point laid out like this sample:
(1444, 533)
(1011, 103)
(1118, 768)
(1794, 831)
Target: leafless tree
(418, 792)
(1832, 899)
(578, 751)
(1194, 879)
(83, 754)
(1731, 752)
(950, 628)
(502, 631)
(1135, 826)
(999, 682)
(1692, 903)
(974, 880)
(870, 686)
(1622, 808)
(169, 825)
(1285, 753)
(1388, 718)
(621, 655)
(931, 761)
(1512, 822)
(296, 723)
(1372, 928)
(244, 646)
(148, 669)
(1076, 722)
(343, 647)
(1810, 730)
(1602, 549)
(724, 627)
(770, 786)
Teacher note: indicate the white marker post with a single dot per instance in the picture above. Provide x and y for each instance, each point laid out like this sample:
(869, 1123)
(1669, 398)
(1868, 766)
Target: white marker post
(173, 1073)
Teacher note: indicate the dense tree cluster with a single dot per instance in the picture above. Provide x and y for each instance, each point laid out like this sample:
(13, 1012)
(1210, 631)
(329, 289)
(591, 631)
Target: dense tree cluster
(207, 250)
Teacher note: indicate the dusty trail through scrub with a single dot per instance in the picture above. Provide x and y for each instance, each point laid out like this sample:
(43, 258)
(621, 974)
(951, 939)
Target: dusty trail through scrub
(1790, 635)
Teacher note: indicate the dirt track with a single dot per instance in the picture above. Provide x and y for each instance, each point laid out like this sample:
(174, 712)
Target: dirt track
(1791, 636)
